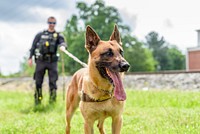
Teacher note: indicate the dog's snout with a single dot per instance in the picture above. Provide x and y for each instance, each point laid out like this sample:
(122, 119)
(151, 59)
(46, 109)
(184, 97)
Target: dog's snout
(124, 66)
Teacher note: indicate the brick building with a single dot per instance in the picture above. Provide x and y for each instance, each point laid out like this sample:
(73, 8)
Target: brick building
(193, 56)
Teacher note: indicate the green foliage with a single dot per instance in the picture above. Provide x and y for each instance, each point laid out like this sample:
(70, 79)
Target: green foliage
(103, 18)
(26, 70)
(76, 45)
(167, 57)
(147, 112)
(154, 55)
(177, 59)
(159, 49)
(139, 58)
(1, 75)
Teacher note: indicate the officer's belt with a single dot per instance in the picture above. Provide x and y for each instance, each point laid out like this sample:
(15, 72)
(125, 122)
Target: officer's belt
(48, 58)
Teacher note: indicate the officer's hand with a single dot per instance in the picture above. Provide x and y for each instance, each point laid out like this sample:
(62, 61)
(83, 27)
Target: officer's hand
(30, 62)
(62, 48)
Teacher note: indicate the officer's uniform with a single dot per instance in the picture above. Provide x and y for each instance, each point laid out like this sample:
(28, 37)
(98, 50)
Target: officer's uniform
(44, 49)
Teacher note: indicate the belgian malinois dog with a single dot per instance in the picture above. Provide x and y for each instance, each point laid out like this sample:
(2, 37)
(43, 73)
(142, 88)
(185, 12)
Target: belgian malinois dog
(98, 89)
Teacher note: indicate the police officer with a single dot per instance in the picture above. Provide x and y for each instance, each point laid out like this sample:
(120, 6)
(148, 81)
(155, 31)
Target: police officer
(44, 50)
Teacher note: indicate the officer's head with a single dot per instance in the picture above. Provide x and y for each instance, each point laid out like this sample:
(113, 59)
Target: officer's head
(51, 22)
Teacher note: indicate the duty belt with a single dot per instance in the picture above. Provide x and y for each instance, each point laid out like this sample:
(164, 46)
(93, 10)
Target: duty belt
(48, 58)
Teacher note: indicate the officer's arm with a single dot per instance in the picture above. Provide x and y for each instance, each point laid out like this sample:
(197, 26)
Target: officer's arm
(61, 41)
(34, 45)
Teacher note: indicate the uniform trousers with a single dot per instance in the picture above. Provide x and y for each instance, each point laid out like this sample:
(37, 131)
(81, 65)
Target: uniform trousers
(41, 67)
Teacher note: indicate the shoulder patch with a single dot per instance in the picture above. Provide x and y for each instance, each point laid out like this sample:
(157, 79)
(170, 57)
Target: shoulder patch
(55, 35)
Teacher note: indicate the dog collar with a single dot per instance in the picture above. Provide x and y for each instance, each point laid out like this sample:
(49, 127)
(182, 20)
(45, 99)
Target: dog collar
(87, 98)
(105, 91)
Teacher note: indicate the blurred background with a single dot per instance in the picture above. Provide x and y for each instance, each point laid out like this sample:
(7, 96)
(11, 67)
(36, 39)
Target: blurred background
(156, 34)
(161, 41)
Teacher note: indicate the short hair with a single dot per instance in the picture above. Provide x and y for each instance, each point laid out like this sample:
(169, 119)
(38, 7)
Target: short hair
(51, 17)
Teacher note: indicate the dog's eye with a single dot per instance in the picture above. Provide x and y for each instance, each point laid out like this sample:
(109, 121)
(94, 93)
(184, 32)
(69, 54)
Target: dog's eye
(108, 53)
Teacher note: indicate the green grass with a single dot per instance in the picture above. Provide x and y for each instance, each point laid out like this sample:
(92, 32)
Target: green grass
(146, 112)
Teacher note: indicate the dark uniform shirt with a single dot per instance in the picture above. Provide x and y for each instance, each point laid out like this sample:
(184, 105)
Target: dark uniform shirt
(44, 49)
(59, 42)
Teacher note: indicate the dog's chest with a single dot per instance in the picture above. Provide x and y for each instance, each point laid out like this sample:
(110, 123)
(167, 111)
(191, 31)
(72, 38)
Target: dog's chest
(101, 109)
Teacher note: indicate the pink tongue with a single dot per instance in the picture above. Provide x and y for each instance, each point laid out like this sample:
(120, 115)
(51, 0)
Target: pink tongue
(119, 92)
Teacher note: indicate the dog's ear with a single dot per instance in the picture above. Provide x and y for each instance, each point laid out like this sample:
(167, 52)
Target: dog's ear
(92, 39)
(115, 35)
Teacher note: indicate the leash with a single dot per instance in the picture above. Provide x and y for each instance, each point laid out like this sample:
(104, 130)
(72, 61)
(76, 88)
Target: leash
(63, 68)
(63, 75)
(75, 58)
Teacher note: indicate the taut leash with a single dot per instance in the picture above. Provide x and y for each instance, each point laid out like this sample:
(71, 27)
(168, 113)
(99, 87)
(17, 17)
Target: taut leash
(75, 58)
(63, 70)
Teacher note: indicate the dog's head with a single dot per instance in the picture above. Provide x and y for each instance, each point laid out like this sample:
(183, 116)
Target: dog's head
(107, 58)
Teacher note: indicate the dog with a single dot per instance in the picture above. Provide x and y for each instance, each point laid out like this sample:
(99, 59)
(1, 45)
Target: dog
(98, 89)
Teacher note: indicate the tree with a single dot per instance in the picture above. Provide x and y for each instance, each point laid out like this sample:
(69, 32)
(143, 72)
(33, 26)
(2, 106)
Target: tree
(74, 36)
(102, 18)
(167, 56)
(159, 49)
(140, 58)
(177, 59)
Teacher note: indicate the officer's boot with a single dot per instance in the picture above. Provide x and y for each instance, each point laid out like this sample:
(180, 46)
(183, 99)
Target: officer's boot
(38, 96)
(52, 97)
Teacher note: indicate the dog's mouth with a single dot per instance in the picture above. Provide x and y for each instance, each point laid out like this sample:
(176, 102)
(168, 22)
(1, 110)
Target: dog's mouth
(105, 74)
(115, 79)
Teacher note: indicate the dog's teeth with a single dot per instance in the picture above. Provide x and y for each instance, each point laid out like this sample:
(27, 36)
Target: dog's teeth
(107, 72)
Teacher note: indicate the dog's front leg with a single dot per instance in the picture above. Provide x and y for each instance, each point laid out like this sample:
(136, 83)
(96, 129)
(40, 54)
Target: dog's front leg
(88, 127)
(116, 124)
(100, 126)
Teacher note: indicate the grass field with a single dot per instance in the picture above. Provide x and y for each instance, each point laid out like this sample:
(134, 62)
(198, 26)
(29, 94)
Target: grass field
(146, 112)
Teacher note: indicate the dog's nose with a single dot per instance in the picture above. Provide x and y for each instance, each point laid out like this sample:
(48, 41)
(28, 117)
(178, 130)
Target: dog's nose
(124, 66)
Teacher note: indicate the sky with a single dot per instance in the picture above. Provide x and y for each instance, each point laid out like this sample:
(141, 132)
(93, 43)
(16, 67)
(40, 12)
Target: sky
(20, 20)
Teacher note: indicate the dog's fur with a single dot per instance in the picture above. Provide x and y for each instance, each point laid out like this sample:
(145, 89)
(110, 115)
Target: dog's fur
(98, 87)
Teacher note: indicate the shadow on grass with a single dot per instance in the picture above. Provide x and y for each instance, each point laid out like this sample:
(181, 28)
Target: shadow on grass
(39, 108)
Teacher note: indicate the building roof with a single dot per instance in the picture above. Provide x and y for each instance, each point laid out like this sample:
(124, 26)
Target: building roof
(194, 49)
